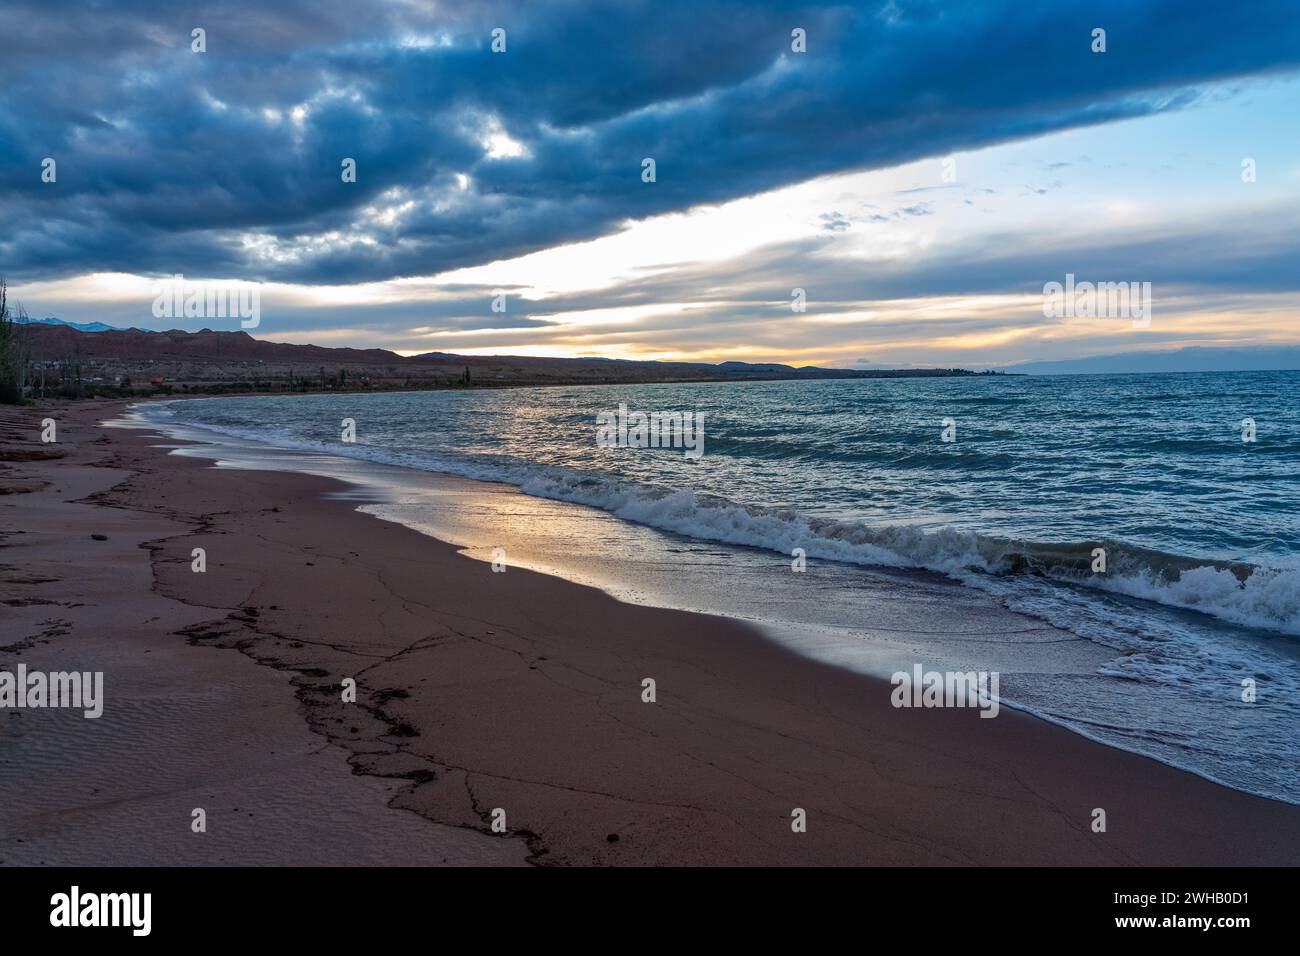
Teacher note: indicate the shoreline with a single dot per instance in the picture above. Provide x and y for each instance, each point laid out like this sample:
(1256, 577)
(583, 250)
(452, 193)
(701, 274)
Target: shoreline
(535, 703)
(1052, 668)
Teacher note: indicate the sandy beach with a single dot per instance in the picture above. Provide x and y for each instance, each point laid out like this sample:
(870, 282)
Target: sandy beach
(478, 692)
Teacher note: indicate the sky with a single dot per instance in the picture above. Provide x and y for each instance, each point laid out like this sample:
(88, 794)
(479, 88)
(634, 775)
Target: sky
(920, 170)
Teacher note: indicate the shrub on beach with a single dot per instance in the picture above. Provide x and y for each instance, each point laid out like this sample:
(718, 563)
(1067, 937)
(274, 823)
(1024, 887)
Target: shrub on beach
(13, 351)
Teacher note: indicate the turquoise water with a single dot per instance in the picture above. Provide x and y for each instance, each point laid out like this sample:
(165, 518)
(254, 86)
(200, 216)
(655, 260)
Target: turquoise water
(1200, 529)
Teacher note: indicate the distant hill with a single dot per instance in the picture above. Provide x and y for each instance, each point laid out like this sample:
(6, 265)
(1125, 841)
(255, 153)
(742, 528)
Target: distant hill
(1192, 359)
(235, 356)
(70, 363)
(79, 326)
(57, 341)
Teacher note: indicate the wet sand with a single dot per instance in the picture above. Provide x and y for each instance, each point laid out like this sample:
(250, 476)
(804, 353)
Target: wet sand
(482, 691)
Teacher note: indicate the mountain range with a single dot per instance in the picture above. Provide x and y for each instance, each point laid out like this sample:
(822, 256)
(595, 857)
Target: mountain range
(79, 326)
(1191, 359)
(206, 344)
(207, 360)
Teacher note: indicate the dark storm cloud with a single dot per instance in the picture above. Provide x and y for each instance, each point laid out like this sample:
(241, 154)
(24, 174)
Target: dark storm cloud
(171, 161)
